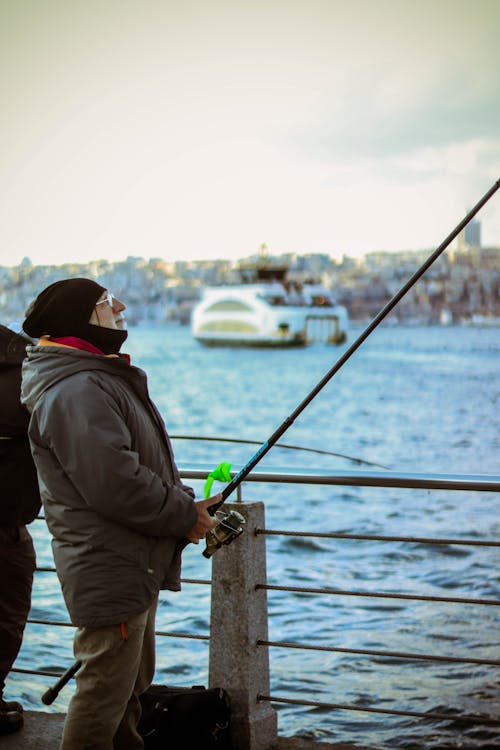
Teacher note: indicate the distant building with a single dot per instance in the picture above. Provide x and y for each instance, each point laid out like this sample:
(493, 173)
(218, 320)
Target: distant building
(470, 236)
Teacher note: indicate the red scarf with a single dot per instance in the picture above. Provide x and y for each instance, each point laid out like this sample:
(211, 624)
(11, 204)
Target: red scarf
(85, 346)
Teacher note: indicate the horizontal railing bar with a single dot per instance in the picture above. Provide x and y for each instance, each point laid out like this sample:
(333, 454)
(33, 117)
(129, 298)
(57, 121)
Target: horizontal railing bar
(196, 580)
(59, 674)
(423, 715)
(318, 704)
(67, 624)
(390, 654)
(36, 671)
(379, 594)
(56, 623)
(469, 482)
(474, 482)
(183, 580)
(182, 635)
(376, 537)
(285, 644)
(241, 441)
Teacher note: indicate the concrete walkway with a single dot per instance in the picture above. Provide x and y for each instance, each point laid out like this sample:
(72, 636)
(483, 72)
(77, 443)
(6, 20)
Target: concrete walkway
(42, 731)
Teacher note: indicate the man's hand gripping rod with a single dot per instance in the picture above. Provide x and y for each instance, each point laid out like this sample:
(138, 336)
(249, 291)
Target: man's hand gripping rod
(233, 523)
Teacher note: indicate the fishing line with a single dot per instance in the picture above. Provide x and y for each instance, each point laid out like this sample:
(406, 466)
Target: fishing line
(216, 439)
(265, 447)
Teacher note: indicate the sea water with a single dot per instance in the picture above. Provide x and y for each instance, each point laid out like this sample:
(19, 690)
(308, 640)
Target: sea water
(411, 399)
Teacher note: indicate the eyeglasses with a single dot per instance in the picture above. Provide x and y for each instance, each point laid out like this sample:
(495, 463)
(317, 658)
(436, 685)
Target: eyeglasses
(108, 298)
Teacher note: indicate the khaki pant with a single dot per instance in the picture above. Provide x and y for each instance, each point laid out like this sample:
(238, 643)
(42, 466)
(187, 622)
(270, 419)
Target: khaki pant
(105, 708)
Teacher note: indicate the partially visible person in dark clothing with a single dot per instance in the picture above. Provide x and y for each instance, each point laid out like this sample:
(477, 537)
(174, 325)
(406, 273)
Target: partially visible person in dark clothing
(19, 506)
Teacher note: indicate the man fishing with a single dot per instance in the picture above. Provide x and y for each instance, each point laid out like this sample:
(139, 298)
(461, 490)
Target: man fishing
(117, 510)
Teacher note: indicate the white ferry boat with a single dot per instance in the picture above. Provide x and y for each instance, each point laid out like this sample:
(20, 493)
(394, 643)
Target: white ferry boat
(268, 310)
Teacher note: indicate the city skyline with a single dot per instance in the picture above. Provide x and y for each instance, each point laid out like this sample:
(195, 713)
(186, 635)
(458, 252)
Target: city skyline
(187, 130)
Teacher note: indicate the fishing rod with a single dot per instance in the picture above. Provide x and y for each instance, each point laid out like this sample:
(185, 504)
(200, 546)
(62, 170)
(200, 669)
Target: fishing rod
(284, 426)
(230, 528)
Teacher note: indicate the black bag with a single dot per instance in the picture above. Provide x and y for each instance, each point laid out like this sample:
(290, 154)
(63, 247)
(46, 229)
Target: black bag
(175, 718)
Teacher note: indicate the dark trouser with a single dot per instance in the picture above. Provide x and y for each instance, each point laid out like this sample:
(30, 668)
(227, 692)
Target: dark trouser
(17, 565)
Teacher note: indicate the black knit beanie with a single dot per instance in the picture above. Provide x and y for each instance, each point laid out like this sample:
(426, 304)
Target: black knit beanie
(63, 308)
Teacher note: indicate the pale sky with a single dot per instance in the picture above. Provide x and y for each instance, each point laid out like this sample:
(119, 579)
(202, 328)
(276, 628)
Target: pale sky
(193, 129)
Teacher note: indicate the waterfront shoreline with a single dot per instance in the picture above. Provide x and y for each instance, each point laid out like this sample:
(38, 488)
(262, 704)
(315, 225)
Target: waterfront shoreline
(43, 731)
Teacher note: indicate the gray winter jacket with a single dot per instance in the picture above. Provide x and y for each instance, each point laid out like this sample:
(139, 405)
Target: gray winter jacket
(113, 499)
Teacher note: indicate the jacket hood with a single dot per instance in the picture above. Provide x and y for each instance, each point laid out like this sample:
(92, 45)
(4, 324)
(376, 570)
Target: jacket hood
(45, 366)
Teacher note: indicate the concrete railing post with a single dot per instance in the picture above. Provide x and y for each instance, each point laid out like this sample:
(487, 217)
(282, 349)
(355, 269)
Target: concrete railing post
(238, 620)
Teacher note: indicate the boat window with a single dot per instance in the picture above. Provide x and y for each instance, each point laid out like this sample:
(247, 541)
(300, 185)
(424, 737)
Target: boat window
(320, 300)
(274, 299)
(228, 305)
(227, 326)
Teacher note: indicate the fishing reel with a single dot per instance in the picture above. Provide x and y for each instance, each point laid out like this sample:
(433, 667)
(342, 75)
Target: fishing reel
(228, 527)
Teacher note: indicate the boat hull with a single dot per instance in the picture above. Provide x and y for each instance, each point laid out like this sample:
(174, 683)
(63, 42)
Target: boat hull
(248, 342)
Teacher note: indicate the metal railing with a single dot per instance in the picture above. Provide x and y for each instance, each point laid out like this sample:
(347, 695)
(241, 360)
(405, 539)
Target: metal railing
(362, 479)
